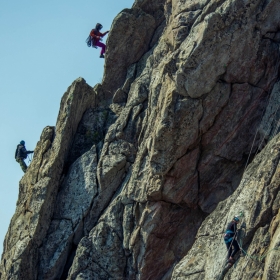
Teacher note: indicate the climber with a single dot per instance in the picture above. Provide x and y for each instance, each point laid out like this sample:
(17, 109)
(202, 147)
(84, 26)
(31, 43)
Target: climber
(230, 239)
(96, 38)
(21, 154)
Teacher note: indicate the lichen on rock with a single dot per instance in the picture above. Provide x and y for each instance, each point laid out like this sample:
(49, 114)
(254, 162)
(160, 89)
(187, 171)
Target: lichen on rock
(142, 172)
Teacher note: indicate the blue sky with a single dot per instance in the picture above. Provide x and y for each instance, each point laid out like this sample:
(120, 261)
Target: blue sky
(42, 51)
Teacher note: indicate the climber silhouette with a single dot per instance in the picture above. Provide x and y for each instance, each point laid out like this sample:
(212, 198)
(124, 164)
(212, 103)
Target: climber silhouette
(230, 239)
(21, 155)
(96, 36)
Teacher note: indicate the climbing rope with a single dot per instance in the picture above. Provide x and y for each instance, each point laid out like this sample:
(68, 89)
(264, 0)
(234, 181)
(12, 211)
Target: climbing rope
(263, 112)
(30, 157)
(256, 257)
(252, 257)
(275, 131)
(247, 162)
(255, 136)
(225, 259)
(259, 147)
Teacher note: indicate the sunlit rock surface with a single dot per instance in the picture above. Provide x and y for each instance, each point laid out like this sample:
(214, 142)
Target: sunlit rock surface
(142, 172)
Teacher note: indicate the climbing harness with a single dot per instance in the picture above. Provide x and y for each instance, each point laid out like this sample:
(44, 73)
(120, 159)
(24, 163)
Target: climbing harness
(228, 239)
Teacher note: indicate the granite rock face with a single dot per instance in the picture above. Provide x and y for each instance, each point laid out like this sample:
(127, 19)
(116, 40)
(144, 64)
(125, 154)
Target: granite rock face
(39, 187)
(257, 198)
(130, 182)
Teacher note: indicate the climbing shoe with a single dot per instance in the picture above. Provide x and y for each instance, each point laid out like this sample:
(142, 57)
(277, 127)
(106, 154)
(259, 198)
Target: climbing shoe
(101, 56)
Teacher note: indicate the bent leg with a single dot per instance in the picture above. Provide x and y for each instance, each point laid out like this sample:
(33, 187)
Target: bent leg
(235, 247)
(229, 248)
(22, 164)
(102, 46)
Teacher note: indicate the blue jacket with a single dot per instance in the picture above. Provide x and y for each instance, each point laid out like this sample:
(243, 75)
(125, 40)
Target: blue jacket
(230, 232)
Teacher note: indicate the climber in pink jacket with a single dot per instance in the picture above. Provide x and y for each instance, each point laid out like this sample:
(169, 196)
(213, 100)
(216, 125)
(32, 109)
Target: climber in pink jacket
(96, 36)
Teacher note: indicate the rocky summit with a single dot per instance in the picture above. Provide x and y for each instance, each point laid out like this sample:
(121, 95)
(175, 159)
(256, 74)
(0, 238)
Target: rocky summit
(142, 173)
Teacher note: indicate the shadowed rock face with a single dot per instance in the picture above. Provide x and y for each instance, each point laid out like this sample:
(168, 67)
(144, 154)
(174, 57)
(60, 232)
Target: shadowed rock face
(129, 183)
(257, 197)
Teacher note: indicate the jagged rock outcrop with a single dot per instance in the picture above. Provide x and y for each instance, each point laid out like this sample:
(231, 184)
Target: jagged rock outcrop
(39, 187)
(133, 32)
(124, 186)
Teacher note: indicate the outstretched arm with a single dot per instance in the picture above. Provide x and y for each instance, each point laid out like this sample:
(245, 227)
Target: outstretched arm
(103, 34)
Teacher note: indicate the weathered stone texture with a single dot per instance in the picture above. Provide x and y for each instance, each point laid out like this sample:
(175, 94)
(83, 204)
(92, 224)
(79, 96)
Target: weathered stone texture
(72, 205)
(137, 164)
(256, 198)
(39, 186)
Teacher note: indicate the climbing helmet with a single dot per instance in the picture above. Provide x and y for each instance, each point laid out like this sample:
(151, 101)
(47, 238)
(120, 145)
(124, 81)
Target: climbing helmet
(99, 26)
(236, 219)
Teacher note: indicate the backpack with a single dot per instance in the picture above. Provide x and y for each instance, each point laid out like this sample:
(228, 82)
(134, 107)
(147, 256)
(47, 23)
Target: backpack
(88, 41)
(20, 152)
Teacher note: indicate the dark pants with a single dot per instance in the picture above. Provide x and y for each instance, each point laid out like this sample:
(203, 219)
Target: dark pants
(22, 164)
(232, 252)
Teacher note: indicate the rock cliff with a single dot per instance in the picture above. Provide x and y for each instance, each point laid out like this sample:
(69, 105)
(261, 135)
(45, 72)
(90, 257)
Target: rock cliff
(141, 173)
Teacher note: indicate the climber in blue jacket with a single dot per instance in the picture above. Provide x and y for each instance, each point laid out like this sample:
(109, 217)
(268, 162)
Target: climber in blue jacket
(230, 239)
